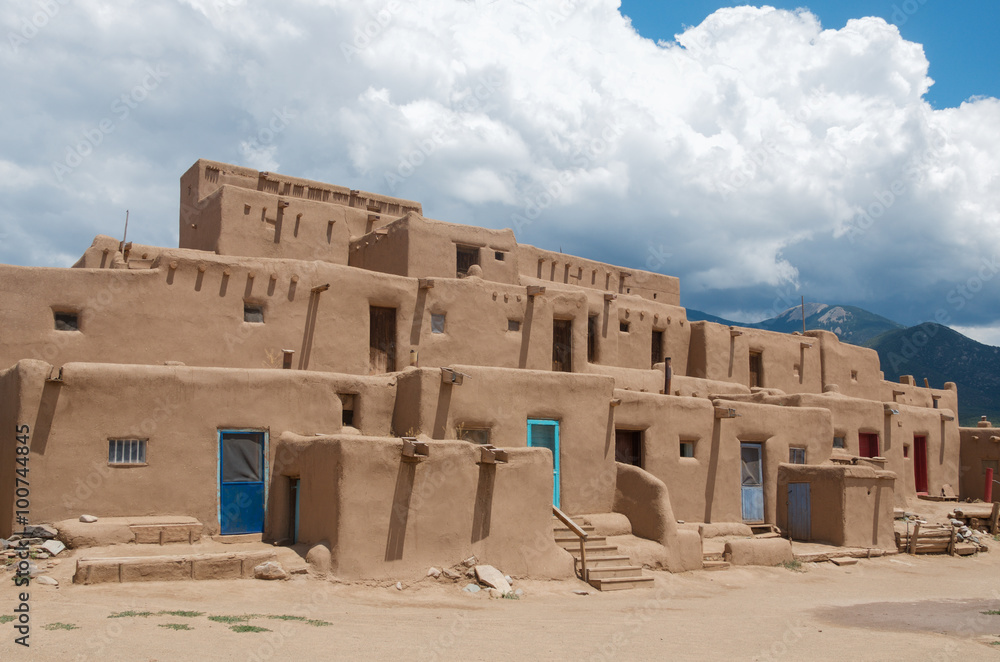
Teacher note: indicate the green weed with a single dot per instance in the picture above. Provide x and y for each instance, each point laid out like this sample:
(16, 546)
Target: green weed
(247, 628)
(176, 626)
(60, 626)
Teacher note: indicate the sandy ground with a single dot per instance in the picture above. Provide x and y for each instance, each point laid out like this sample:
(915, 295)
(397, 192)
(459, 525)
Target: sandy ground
(894, 608)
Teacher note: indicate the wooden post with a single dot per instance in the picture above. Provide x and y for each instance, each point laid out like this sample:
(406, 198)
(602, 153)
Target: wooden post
(912, 549)
(951, 543)
(668, 375)
(988, 491)
(995, 519)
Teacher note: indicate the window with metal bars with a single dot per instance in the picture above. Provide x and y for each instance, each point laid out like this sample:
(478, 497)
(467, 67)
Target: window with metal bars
(126, 451)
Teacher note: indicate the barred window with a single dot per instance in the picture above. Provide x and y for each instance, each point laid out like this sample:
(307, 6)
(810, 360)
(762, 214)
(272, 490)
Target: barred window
(126, 451)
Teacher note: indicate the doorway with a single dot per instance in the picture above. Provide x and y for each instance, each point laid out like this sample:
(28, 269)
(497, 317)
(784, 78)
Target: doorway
(544, 433)
(752, 482)
(562, 345)
(920, 463)
(382, 340)
(242, 481)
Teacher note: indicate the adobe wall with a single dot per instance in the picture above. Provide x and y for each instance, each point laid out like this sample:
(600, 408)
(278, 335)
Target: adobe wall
(503, 401)
(722, 353)
(180, 411)
(11, 422)
(572, 270)
(855, 370)
(978, 445)
(386, 517)
(850, 506)
(706, 488)
(943, 453)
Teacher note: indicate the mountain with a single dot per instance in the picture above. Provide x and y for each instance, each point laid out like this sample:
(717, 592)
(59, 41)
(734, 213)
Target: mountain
(943, 355)
(851, 324)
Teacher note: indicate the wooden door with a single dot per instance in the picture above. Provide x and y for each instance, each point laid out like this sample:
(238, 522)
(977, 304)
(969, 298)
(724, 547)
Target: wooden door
(868, 444)
(628, 447)
(799, 526)
(752, 482)
(756, 369)
(382, 340)
(920, 464)
(545, 434)
(242, 481)
(562, 345)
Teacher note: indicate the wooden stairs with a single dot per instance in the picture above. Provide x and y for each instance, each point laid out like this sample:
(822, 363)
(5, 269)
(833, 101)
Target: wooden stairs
(607, 568)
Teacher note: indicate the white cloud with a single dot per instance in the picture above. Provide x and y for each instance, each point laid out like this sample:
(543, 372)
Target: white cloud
(758, 149)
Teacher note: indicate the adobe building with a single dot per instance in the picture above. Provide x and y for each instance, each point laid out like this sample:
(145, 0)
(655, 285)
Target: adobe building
(315, 363)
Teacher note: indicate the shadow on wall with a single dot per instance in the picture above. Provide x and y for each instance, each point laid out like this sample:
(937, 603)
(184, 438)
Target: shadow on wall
(484, 502)
(400, 511)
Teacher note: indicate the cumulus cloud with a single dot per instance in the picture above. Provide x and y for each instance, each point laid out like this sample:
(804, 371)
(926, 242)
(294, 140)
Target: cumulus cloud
(758, 156)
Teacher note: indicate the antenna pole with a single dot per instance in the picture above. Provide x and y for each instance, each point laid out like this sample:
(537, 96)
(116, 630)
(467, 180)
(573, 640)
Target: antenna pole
(803, 315)
(126, 228)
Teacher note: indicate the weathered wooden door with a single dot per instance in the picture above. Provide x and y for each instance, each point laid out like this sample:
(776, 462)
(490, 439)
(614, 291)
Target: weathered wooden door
(628, 447)
(242, 480)
(545, 434)
(920, 464)
(752, 482)
(868, 444)
(382, 340)
(799, 525)
(562, 345)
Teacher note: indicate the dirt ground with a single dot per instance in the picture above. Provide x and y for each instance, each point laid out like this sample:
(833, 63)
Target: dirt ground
(893, 608)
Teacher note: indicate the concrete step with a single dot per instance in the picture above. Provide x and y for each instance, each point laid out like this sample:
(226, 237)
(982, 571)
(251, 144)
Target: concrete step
(768, 534)
(759, 529)
(595, 551)
(712, 556)
(614, 571)
(170, 567)
(579, 521)
(715, 565)
(621, 583)
(563, 532)
(611, 560)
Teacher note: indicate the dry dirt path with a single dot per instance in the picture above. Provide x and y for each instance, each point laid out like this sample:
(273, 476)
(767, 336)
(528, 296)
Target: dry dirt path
(896, 608)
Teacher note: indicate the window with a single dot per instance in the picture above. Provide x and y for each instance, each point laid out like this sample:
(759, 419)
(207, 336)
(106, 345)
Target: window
(562, 345)
(592, 339)
(990, 464)
(797, 455)
(253, 313)
(854, 375)
(868, 444)
(437, 323)
(838, 442)
(623, 327)
(656, 354)
(67, 322)
(628, 447)
(347, 404)
(498, 256)
(513, 325)
(127, 451)
(381, 340)
(756, 369)
(687, 449)
(906, 450)
(479, 436)
(466, 257)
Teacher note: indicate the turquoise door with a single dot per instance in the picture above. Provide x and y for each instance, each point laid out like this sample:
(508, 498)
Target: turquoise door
(545, 434)
(242, 478)
(752, 483)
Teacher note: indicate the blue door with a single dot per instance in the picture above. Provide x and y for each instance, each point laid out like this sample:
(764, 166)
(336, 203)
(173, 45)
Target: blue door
(242, 477)
(752, 482)
(798, 511)
(545, 434)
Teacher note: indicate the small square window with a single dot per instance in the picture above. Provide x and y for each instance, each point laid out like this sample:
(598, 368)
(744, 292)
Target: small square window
(687, 449)
(437, 323)
(466, 256)
(623, 327)
(906, 450)
(797, 455)
(479, 436)
(499, 256)
(67, 322)
(854, 375)
(513, 325)
(127, 451)
(838, 442)
(253, 314)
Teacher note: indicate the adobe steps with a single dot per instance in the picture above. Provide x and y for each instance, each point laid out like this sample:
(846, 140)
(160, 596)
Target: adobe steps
(607, 569)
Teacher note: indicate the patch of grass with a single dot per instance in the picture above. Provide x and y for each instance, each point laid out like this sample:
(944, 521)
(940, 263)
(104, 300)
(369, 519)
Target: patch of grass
(60, 626)
(130, 614)
(318, 624)
(231, 619)
(6, 618)
(247, 628)
(176, 626)
(511, 595)
(185, 614)
(794, 564)
(285, 617)
(991, 612)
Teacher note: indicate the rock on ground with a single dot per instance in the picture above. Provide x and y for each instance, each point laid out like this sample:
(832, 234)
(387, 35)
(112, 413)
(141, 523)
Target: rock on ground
(492, 577)
(89, 519)
(269, 570)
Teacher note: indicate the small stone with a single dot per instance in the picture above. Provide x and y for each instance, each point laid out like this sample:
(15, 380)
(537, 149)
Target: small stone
(46, 581)
(495, 594)
(519, 592)
(89, 519)
(487, 574)
(470, 573)
(55, 562)
(4, 544)
(509, 579)
(41, 556)
(399, 586)
(269, 571)
(43, 531)
(53, 547)
(469, 562)
(451, 574)
(472, 588)
(581, 592)
(433, 572)
(25, 542)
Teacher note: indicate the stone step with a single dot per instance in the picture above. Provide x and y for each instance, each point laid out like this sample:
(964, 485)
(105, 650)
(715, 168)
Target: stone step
(170, 568)
(573, 541)
(611, 560)
(712, 556)
(579, 521)
(595, 551)
(768, 534)
(614, 571)
(563, 532)
(715, 565)
(621, 583)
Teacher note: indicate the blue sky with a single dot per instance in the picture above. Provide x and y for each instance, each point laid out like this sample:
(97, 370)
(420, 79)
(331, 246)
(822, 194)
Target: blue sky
(961, 39)
(760, 154)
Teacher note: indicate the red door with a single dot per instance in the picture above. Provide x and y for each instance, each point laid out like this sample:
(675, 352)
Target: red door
(868, 444)
(920, 464)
